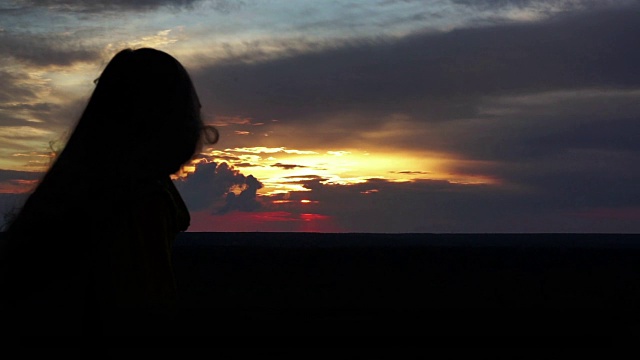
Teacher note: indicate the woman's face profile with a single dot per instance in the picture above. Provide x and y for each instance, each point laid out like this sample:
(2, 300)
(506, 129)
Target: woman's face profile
(150, 95)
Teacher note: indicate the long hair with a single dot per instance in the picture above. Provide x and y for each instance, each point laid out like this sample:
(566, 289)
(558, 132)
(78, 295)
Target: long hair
(142, 121)
(144, 114)
(70, 240)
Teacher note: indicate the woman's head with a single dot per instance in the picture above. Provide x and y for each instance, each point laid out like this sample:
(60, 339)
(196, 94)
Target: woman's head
(143, 116)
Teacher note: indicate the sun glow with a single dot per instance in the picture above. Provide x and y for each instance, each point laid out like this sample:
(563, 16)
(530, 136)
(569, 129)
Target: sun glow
(283, 170)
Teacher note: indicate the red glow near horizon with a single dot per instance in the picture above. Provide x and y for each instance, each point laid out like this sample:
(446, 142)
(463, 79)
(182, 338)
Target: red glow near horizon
(313, 217)
(269, 221)
(17, 186)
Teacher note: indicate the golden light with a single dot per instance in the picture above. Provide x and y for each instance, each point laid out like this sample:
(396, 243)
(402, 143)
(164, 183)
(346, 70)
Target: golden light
(282, 170)
(282, 201)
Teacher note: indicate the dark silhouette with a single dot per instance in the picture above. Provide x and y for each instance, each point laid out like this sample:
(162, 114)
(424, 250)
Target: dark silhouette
(90, 250)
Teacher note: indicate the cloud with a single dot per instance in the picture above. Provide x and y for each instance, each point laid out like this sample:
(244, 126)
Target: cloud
(14, 189)
(549, 106)
(288, 166)
(246, 200)
(102, 5)
(211, 186)
(437, 206)
(33, 114)
(46, 49)
(14, 90)
(271, 150)
(381, 206)
(561, 4)
(12, 177)
(114, 6)
(433, 76)
(26, 99)
(411, 172)
(22, 133)
(535, 126)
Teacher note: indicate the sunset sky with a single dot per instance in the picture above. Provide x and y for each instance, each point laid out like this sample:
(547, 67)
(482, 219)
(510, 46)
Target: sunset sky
(398, 116)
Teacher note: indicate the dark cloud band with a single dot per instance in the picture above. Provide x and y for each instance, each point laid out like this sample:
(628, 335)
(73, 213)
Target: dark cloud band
(101, 5)
(435, 76)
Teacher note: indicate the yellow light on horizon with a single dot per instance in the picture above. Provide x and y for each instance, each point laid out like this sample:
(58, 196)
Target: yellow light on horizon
(283, 170)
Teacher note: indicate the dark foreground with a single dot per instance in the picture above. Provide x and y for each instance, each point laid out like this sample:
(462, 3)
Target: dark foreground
(429, 285)
(414, 284)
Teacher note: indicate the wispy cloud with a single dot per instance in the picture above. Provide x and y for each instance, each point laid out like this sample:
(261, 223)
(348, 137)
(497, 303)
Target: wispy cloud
(268, 150)
(288, 166)
(45, 49)
(404, 115)
(111, 5)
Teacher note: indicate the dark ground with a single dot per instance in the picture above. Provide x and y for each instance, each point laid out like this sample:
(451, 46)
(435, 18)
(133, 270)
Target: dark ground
(431, 285)
(408, 284)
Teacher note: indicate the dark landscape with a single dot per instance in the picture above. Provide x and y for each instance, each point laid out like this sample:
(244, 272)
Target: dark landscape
(325, 284)
(310, 284)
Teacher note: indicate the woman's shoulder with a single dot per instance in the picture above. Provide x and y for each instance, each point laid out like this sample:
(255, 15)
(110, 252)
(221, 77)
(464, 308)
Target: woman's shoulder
(160, 197)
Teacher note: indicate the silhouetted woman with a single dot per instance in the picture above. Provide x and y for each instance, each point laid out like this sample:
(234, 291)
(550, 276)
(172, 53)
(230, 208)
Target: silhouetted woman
(90, 250)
